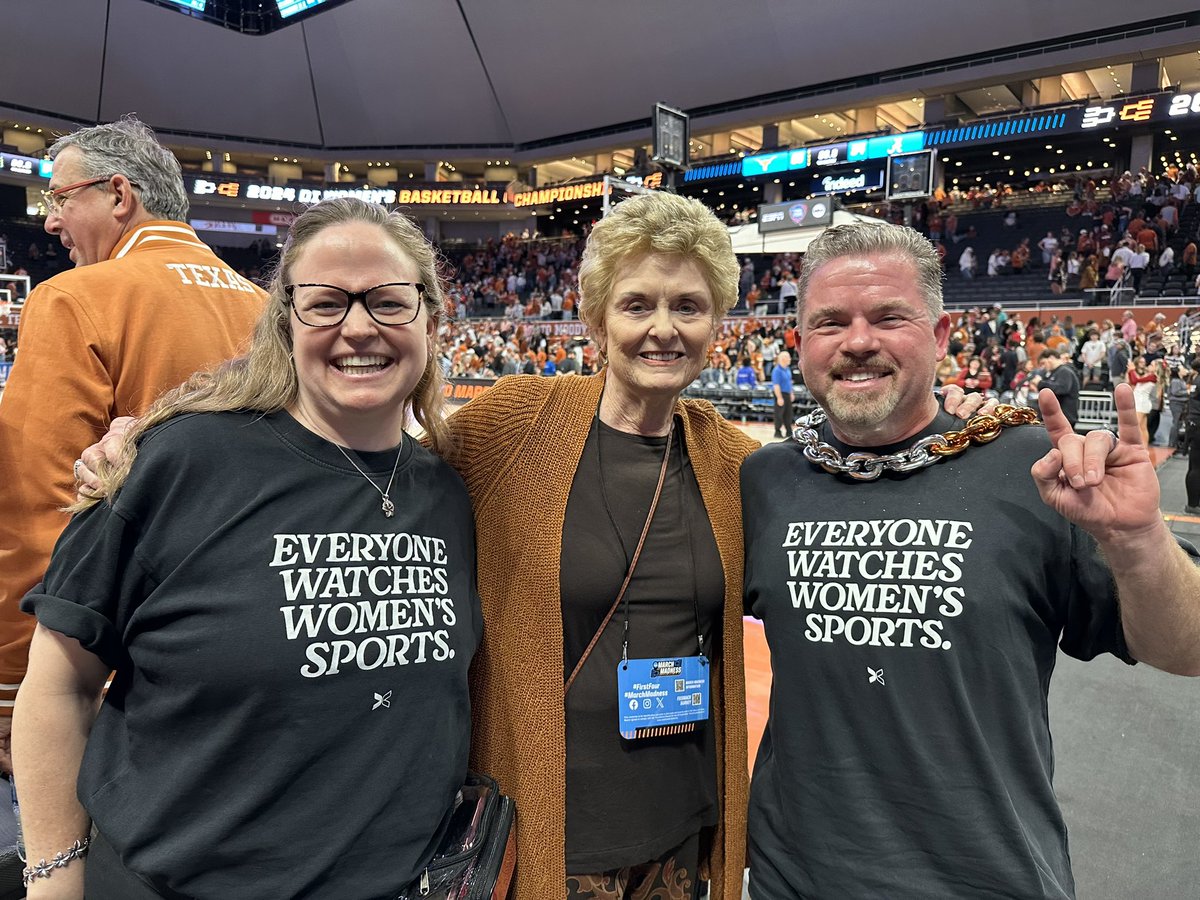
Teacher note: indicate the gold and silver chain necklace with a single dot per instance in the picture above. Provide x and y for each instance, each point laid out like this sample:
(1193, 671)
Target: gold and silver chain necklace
(928, 450)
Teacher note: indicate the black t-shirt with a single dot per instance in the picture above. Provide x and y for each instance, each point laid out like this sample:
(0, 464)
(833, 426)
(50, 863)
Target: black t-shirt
(290, 715)
(1008, 369)
(913, 623)
(1064, 382)
(1193, 408)
(629, 801)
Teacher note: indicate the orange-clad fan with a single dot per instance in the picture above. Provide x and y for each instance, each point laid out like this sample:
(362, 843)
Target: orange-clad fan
(147, 304)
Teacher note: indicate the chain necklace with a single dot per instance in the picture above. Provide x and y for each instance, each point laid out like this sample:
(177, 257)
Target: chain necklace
(389, 508)
(928, 450)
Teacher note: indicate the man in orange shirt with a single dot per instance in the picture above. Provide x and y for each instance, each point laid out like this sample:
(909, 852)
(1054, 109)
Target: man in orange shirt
(1035, 344)
(1148, 238)
(147, 304)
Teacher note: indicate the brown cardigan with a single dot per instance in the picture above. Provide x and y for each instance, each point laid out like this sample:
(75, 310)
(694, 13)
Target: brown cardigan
(518, 447)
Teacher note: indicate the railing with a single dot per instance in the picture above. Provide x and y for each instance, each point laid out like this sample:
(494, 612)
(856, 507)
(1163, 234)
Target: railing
(1096, 410)
(758, 402)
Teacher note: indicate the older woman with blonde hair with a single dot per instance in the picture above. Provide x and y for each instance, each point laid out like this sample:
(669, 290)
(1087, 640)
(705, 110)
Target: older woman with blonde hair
(590, 489)
(284, 586)
(608, 514)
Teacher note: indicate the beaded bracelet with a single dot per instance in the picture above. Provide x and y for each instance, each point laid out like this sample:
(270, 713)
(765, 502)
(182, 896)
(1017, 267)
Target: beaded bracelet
(43, 869)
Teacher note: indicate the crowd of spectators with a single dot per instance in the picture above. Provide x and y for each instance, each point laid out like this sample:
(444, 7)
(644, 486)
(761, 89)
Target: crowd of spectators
(1112, 241)
(518, 277)
(493, 348)
(743, 353)
(506, 295)
(1006, 354)
(993, 351)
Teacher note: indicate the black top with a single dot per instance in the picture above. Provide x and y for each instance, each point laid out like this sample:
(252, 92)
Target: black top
(1008, 369)
(629, 801)
(1193, 408)
(1064, 382)
(290, 715)
(913, 624)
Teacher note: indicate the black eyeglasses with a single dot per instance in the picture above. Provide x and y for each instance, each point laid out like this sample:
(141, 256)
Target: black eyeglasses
(326, 305)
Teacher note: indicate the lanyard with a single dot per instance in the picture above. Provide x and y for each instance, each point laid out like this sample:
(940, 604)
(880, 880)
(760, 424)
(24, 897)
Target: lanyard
(632, 563)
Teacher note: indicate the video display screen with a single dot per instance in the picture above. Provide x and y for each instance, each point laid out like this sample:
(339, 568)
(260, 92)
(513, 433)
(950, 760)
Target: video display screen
(291, 7)
(910, 175)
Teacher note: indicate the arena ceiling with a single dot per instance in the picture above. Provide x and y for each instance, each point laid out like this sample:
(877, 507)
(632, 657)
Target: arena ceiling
(538, 78)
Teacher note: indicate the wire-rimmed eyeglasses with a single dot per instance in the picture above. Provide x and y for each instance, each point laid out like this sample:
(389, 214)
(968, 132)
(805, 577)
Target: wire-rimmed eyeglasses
(54, 199)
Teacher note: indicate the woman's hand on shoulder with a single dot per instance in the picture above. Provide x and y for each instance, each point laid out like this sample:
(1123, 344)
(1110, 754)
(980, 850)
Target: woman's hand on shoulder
(959, 403)
(106, 450)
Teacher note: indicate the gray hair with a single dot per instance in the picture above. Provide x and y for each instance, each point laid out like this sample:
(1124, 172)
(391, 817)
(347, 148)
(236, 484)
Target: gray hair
(867, 238)
(128, 147)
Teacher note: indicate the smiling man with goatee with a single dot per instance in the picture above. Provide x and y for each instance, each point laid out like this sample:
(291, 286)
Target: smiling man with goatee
(885, 537)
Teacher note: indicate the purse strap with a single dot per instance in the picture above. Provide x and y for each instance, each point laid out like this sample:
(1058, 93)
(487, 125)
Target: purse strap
(662, 477)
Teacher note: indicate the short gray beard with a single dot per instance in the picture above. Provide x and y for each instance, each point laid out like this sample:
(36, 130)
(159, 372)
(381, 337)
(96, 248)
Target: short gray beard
(864, 413)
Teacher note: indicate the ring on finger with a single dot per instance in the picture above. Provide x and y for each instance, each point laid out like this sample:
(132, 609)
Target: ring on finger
(76, 467)
(1116, 440)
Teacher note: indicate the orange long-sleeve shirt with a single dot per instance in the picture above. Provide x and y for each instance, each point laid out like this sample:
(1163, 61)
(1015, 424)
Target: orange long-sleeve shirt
(98, 342)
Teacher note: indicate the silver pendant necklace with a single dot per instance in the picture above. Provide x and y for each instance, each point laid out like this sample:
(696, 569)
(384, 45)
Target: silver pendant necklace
(389, 508)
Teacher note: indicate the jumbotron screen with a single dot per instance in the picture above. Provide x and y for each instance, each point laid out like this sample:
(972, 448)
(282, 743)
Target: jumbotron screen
(291, 7)
(255, 17)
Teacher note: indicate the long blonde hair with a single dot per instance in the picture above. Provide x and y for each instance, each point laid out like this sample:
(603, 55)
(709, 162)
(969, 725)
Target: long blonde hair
(264, 380)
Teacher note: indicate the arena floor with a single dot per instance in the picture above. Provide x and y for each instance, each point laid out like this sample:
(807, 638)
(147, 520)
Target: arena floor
(1127, 741)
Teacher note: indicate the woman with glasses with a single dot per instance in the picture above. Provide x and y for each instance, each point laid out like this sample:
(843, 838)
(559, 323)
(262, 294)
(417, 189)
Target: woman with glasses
(284, 586)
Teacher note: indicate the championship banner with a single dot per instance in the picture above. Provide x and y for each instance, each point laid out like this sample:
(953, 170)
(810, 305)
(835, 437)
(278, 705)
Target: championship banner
(567, 193)
(573, 328)
(460, 390)
(563, 194)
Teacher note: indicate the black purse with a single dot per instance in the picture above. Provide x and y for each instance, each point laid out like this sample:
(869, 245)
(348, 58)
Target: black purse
(477, 857)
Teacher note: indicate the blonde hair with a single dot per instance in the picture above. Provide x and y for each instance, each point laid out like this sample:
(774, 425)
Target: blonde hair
(265, 380)
(657, 222)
